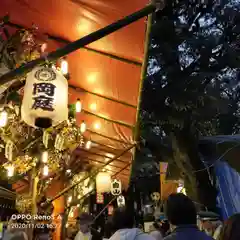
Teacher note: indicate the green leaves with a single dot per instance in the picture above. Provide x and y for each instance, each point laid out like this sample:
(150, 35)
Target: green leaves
(192, 45)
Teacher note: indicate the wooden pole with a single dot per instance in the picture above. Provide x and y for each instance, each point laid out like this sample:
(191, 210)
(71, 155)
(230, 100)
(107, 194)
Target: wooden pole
(34, 188)
(73, 46)
(35, 180)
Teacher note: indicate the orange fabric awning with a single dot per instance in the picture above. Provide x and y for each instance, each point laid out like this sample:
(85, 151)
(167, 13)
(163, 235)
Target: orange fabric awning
(91, 71)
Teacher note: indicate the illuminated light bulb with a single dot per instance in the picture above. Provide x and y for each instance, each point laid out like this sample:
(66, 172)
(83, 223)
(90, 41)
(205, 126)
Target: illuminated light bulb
(179, 189)
(45, 157)
(91, 78)
(78, 205)
(10, 171)
(88, 144)
(83, 127)
(84, 26)
(97, 126)
(99, 91)
(78, 106)
(69, 171)
(70, 199)
(79, 196)
(3, 118)
(64, 67)
(45, 170)
(93, 106)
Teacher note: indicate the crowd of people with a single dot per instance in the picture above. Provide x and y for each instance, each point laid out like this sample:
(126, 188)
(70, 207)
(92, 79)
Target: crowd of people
(181, 224)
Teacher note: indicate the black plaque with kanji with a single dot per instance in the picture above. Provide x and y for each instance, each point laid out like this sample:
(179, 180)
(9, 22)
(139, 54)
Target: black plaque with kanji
(115, 185)
(116, 191)
(43, 96)
(116, 188)
(43, 102)
(46, 88)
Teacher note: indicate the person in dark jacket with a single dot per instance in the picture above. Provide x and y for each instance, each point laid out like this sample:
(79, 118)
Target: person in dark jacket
(182, 216)
(165, 228)
(123, 225)
(230, 229)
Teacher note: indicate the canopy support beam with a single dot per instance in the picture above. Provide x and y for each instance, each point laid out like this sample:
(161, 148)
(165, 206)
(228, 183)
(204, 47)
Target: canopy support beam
(106, 146)
(71, 47)
(102, 150)
(91, 175)
(136, 133)
(99, 162)
(109, 120)
(100, 155)
(110, 138)
(104, 208)
(65, 41)
(78, 89)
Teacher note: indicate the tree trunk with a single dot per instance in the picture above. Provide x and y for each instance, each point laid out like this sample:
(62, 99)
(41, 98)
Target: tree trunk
(183, 163)
(201, 190)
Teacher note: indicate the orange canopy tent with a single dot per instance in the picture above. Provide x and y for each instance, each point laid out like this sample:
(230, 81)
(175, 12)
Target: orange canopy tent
(105, 75)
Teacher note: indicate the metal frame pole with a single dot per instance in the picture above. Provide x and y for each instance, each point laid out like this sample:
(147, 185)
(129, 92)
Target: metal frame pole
(143, 76)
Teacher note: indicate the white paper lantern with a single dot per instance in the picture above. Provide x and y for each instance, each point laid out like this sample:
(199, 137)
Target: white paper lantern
(103, 182)
(45, 100)
(121, 201)
(116, 187)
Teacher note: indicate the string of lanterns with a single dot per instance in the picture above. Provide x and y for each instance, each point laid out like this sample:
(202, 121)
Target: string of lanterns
(104, 183)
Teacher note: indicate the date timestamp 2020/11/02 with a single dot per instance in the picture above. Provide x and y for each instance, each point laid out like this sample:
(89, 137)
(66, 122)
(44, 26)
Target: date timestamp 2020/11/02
(33, 226)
